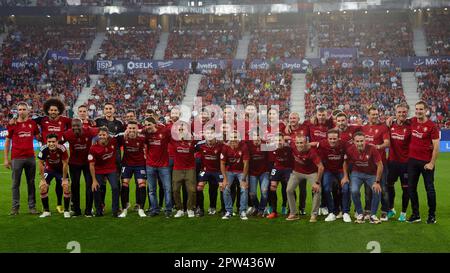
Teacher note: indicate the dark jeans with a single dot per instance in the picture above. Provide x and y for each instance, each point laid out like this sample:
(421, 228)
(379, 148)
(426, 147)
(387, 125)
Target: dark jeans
(75, 177)
(114, 182)
(415, 169)
(29, 166)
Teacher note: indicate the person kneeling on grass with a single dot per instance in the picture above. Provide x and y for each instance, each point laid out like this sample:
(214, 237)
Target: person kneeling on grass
(367, 169)
(54, 163)
(307, 166)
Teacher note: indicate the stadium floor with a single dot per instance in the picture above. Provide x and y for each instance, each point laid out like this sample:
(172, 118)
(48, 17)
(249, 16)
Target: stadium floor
(27, 233)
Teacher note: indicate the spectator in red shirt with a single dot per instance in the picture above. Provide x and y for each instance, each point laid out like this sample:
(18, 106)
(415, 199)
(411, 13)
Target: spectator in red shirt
(22, 157)
(423, 153)
(102, 166)
(54, 163)
(400, 133)
(307, 167)
(367, 168)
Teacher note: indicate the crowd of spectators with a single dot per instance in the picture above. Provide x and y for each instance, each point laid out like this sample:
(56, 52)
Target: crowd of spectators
(24, 42)
(437, 31)
(374, 35)
(158, 90)
(36, 83)
(257, 87)
(205, 43)
(129, 43)
(434, 88)
(354, 89)
(275, 43)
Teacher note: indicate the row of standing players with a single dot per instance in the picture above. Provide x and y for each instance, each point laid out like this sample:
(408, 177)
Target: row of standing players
(321, 151)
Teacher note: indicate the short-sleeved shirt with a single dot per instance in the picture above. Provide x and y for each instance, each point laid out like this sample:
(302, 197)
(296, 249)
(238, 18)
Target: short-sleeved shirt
(133, 151)
(376, 134)
(332, 157)
(258, 163)
(234, 158)
(57, 126)
(157, 147)
(400, 139)
(305, 162)
(422, 134)
(79, 146)
(282, 158)
(365, 161)
(53, 159)
(104, 157)
(21, 135)
(184, 158)
(210, 156)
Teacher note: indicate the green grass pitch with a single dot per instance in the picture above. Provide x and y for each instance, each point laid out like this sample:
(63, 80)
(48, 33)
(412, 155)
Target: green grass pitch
(28, 233)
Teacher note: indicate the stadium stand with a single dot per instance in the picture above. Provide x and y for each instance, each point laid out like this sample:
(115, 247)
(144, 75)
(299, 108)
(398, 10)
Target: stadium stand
(437, 32)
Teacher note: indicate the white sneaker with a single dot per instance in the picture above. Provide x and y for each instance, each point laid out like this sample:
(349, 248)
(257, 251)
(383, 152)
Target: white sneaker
(250, 210)
(367, 217)
(67, 214)
(340, 215)
(45, 214)
(190, 213)
(211, 211)
(123, 214)
(324, 211)
(244, 216)
(179, 214)
(141, 213)
(227, 216)
(347, 218)
(330, 218)
(360, 219)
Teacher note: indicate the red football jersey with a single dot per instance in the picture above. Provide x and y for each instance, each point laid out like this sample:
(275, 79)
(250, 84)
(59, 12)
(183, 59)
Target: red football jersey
(184, 158)
(57, 126)
(79, 146)
(258, 163)
(157, 147)
(347, 136)
(53, 159)
(332, 157)
(282, 158)
(365, 161)
(318, 132)
(422, 134)
(21, 135)
(210, 156)
(400, 139)
(234, 158)
(133, 151)
(104, 157)
(376, 134)
(305, 162)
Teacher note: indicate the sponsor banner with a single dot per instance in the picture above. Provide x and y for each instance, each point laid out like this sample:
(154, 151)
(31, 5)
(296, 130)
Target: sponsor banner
(351, 52)
(18, 64)
(297, 65)
(57, 55)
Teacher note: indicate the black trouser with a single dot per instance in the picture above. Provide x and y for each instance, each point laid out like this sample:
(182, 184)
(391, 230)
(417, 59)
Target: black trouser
(398, 170)
(415, 169)
(75, 177)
